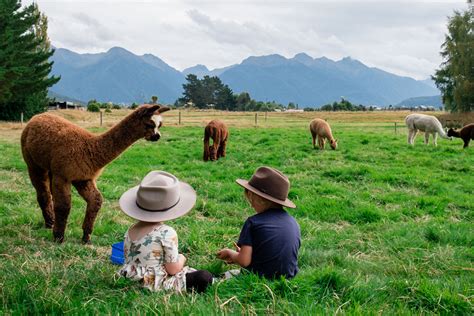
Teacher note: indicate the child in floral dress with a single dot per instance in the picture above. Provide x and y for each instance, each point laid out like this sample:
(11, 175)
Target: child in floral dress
(150, 246)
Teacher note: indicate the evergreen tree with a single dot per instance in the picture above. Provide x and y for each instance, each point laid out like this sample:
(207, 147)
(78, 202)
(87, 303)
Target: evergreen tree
(455, 77)
(24, 65)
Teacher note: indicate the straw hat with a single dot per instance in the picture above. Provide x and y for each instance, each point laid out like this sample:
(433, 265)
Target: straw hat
(159, 197)
(270, 184)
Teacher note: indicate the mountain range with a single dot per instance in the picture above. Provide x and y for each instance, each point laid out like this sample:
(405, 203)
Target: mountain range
(123, 77)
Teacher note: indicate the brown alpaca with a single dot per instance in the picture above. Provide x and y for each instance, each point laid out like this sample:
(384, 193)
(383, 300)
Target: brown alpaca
(216, 130)
(60, 154)
(466, 133)
(321, 129)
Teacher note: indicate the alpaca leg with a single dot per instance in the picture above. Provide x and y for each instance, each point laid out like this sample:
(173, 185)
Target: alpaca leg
(321, 142)
(61, 190)
(435, 138)
(427, 138)
(466, 142)
(90, 193)
(415, 132)
(314, 140)
(41, 183)
(410, 133)
(222, 148)
(215, 151)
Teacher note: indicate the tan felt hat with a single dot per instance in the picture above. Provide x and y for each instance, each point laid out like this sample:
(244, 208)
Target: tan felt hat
(270, 184)
(159, 197)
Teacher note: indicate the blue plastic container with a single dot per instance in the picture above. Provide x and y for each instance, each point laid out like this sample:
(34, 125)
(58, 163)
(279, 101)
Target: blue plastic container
(117, 256)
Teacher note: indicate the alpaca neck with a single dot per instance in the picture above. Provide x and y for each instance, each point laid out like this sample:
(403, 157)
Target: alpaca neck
(112, 143)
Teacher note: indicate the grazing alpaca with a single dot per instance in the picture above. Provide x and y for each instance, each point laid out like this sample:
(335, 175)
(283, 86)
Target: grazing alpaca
(425, 123)
(466, 133)
(320, 128)
(216, 130)
(60, 154)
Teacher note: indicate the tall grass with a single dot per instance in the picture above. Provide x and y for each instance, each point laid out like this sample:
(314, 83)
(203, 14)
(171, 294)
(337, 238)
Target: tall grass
(386, 228)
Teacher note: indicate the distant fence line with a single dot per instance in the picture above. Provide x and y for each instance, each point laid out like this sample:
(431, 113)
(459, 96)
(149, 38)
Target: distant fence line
(375, 119)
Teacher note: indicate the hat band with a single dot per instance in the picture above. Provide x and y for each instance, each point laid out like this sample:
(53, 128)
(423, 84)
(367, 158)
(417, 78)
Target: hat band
(163, 210)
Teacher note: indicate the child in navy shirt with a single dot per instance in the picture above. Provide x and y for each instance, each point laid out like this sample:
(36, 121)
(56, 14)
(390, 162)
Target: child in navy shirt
(269, 241)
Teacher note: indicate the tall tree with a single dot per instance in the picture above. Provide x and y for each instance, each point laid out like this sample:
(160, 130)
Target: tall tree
(24, 65)
(455, 77)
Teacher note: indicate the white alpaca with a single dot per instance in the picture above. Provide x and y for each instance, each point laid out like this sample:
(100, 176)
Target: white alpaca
(425, 123)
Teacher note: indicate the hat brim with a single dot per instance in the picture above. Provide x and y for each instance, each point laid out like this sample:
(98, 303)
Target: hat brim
(245, 184)
(128, 204)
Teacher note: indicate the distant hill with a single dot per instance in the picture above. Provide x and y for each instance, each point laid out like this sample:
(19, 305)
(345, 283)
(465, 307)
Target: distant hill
(117, 75)
(435, 101)
(315, 82)
(123, 77)
(63, 98)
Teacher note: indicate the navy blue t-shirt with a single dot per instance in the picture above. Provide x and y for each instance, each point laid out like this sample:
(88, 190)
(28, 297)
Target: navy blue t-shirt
(275, 239)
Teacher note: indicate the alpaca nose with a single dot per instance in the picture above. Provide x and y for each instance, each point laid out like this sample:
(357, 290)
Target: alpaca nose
(155, 137)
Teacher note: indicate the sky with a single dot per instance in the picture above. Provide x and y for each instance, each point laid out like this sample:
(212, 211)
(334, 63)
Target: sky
(399, 36)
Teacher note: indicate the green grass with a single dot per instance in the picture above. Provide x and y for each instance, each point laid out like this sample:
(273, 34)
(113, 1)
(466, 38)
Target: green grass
(386, 228)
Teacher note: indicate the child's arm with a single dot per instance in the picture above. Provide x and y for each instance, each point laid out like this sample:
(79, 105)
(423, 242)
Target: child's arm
(242, 257)
(174, 267)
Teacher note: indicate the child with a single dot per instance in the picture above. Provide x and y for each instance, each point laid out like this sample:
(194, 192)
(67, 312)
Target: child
(150, 246)
(269, 241)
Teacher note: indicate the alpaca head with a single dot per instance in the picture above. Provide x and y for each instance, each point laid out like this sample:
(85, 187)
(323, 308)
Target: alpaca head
(334, 144)
(451, 132)
(150, 120)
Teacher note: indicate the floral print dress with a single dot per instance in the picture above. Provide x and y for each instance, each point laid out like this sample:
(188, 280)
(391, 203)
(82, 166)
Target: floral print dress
(145, 259)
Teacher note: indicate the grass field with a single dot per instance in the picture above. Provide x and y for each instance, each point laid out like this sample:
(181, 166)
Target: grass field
(386, 228)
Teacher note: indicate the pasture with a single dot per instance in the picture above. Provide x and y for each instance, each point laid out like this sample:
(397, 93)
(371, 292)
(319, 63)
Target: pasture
(386, 228)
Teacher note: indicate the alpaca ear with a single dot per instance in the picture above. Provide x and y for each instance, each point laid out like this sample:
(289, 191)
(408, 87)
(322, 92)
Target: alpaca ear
(163, 109)
(151, 110)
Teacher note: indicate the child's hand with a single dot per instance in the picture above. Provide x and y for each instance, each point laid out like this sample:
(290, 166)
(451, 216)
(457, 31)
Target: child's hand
(237, 248)
(226, 255)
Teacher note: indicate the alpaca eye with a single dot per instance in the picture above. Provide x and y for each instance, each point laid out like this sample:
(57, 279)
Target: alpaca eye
(150, 124)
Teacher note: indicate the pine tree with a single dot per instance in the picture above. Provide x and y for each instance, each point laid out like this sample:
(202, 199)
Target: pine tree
(455, 78)
(24, 65)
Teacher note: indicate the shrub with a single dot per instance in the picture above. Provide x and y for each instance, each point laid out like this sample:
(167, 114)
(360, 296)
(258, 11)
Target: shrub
(93, 107)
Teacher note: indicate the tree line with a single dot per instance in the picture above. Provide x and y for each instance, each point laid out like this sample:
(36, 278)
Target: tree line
(212, 93)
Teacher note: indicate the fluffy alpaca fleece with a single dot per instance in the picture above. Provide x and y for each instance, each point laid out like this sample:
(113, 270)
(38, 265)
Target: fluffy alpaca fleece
(219, 133)
(466, 133)
(425, 123)
(320, 129)
(60, 154)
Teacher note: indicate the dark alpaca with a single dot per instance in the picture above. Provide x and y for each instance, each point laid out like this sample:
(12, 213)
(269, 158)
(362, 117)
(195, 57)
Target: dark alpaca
(216, 130)
(466, 133)
(60, 154)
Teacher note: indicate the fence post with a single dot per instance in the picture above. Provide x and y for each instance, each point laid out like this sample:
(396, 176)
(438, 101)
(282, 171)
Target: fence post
(21, 118)
(256, 119)
(179, 118)
(395, 128)
(100, 118)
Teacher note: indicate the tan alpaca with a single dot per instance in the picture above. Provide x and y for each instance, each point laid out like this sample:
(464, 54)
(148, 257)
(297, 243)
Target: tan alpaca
(321, 129)
(60, 154)
(219, 133)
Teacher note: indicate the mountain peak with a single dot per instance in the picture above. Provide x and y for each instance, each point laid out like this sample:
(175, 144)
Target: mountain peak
(266, 60)
(119, 51)
(304, 58)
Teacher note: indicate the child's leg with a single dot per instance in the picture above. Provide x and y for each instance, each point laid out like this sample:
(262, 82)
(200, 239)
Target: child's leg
(198, 280)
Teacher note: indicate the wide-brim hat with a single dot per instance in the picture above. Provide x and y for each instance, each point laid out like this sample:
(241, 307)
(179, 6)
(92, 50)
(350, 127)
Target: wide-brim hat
(159, 197)
(270, 184)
